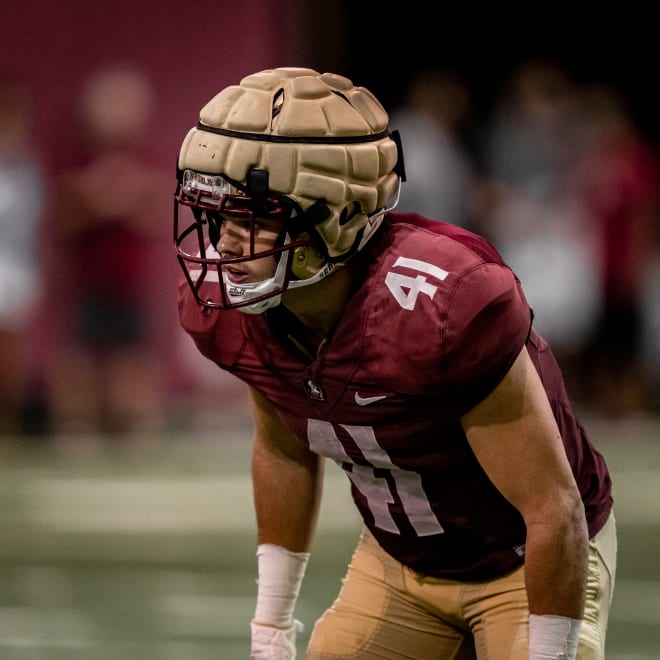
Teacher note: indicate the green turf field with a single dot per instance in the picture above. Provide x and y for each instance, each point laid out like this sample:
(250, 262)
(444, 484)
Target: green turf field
(146, 551)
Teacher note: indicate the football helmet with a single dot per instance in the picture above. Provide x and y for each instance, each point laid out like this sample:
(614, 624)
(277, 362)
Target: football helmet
(310, 151)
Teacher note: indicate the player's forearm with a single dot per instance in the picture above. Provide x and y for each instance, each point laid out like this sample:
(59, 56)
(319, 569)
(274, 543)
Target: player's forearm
(287, 495)
(556, 564)
(287, 489)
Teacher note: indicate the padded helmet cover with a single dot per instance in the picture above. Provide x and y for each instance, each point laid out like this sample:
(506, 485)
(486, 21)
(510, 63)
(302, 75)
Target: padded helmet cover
(318, 136)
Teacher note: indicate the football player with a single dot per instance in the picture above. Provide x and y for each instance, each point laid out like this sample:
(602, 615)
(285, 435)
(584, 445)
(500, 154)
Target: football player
(403, 349)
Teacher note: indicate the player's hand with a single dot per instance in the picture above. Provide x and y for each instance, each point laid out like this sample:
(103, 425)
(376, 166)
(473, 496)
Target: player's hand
(269, 643)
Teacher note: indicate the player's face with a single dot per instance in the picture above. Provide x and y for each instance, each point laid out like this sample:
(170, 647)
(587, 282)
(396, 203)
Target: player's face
(235, 242)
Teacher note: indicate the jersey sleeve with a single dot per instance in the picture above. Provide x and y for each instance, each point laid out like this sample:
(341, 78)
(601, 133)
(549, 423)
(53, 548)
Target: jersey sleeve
(488, 322)
(217, 334)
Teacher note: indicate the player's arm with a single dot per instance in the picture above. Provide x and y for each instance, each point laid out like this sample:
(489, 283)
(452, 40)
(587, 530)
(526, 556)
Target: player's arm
(515, 438)
(287, 480)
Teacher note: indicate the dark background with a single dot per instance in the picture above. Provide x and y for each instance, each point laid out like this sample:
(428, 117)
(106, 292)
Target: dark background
(193, 49)
(382, 47)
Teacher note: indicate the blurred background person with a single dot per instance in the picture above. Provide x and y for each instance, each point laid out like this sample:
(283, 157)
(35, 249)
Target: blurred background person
(433, 119)
(650, 353)
(617, 178)
(532, 133)
(22, 198)
(111, 241)
(529, 208)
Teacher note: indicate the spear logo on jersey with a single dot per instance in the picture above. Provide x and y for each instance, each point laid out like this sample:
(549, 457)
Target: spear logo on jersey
(313, 390)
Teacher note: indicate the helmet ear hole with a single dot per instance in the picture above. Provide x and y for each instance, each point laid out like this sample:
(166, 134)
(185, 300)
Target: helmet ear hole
(306, 262)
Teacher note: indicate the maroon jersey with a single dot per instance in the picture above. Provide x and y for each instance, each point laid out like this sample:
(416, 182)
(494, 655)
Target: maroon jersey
(431, 331)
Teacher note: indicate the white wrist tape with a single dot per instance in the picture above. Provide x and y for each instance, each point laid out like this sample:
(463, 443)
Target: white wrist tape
(553, 637)
(280, 576)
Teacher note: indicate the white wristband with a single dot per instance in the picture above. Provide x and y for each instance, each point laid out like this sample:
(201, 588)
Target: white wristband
(280, 576)
(553, 637)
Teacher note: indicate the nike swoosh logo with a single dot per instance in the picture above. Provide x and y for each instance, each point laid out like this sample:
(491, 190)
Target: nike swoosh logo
(366, 400)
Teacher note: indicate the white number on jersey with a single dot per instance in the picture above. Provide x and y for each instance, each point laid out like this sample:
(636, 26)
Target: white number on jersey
(376, 490)
(405, 288)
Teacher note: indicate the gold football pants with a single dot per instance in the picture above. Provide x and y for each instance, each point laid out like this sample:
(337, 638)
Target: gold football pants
(386, 611)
